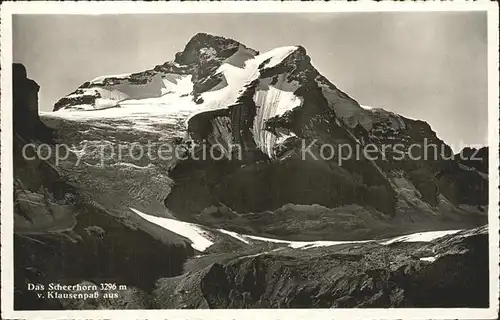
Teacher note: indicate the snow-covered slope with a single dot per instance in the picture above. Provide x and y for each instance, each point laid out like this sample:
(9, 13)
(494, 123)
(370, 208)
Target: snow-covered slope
(274, 100)
(170, 95)
(421, 236)
(199, 238)
(238, 71)
(214, 73)
(101, 94)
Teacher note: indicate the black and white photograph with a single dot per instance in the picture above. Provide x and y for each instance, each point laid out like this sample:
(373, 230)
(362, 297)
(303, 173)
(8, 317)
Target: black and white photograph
(271, 160)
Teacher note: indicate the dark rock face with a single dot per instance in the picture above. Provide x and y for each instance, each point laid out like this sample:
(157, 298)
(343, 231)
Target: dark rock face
(475, 158)
(344, 276)
(465, 179)
(30, 175)
(203, 54)
(193, 51)
(83, 99)
(26, 121)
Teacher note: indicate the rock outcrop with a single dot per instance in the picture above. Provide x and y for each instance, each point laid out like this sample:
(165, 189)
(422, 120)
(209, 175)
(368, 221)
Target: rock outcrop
(26, 120)
(451, 271)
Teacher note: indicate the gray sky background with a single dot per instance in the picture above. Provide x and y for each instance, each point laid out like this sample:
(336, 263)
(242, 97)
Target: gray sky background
(429, 66)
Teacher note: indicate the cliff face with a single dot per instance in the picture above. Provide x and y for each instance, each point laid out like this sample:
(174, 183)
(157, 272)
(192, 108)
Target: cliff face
(26, 120)
(465, 181)
(31, 176)
(25, 92)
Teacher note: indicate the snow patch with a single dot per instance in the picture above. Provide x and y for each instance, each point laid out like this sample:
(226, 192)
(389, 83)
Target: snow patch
(131, 165)
(199, 238)
(275, 101)
(276, 55)
(429, 259)
(156, 87)
(421, 236)
(282, 137)
(272, 101)
(177, 84)
(105, 103)
(137, 114)
(238, 71)
(304, 244)
(101, 79)
(234, 235)
(267, 239)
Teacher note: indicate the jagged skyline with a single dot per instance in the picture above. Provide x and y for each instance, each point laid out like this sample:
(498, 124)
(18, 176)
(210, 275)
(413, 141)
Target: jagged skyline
(414, 64)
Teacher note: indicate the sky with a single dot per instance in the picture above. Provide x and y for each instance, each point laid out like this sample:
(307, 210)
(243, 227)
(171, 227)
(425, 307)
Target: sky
(422, 65)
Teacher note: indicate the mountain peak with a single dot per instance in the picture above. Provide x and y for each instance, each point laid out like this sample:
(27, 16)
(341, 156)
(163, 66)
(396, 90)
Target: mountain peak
(207, 44)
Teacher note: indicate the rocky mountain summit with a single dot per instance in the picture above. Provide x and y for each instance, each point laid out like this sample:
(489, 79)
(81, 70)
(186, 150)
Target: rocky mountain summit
(241, 230)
